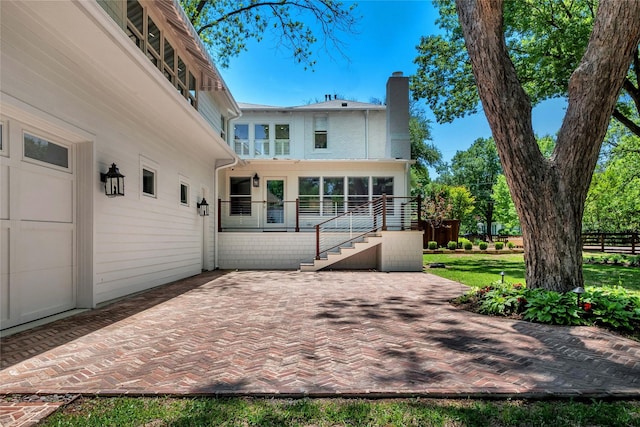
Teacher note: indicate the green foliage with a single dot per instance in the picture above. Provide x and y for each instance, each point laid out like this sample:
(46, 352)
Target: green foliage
(432, 245)
(483, 246)
(425, 154)
(452, 245)
(499, 246)
(477, 169)
(511, 245)
(446, 202)
(552, 307)
(613, 201)
(504, 210)
(611, 307)
(546, 41)
(465, 244)
(227, 26)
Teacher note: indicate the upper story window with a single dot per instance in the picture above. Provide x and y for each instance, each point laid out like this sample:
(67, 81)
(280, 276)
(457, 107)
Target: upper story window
(241, 139)
(320, 132)
(282, 142)
(144, 32)
(261, 140)
(223, 127)
(149, 182)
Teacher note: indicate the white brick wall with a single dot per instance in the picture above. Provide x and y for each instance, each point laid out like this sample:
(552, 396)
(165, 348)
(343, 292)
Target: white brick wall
(265, 251)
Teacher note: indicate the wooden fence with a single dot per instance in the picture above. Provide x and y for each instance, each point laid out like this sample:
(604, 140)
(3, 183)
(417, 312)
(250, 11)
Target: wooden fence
(623, 242)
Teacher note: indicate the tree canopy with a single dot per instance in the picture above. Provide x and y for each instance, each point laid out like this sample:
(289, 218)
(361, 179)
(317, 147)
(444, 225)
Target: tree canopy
(546, 41)
(226, 26)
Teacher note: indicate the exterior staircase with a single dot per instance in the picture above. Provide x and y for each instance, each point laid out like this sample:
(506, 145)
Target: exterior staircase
(343, 252)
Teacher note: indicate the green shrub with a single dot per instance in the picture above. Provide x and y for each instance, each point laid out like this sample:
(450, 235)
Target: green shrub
(452, 245)
(612, 307)
(502, 299)
(499, 246)
(433, 245)
(468, 246)
(511, 245)
(552, 307)
(483, 246)
(462, 242)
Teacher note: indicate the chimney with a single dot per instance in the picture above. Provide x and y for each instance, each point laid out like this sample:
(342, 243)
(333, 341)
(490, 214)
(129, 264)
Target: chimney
(398, 142)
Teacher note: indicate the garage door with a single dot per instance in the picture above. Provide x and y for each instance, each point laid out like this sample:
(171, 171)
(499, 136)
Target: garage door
(38, 225)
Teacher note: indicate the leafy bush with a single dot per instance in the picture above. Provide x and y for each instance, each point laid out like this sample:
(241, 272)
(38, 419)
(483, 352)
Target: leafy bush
(463, 241)
(610, 307)
(483, 246)
(452, 245)
(432, 245)
(468, 246)
(511, 245)
(499, 246)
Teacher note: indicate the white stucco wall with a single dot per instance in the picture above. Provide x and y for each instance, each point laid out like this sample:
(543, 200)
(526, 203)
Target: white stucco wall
(265, 251)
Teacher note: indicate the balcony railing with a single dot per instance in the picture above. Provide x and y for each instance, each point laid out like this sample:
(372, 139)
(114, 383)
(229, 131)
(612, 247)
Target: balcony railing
(303, 215)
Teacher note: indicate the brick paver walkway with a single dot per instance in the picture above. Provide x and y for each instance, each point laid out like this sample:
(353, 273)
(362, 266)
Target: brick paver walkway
(319, 334)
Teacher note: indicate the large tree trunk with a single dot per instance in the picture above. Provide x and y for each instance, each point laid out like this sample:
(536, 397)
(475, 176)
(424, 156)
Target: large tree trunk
(549, 194)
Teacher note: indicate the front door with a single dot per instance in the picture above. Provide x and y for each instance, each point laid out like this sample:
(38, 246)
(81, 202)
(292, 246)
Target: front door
(275, 203)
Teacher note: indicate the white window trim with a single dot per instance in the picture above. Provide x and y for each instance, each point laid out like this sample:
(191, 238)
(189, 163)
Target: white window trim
(4, 150)
(182, 180)
(151, 166)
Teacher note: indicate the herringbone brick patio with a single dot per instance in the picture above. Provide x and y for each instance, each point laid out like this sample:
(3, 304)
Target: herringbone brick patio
(319, 334)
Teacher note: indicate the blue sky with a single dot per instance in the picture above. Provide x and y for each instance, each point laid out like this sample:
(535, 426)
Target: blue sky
(388, 34)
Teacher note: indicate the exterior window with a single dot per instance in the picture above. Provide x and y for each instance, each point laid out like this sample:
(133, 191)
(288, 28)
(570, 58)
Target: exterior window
(282, 140)
(320, 133)
(45, 151)
(135, 20)
(153, 42)
(1, 137)
(261, 141)
(382, 185)
(241, 139)
(169, 62)
(223, 127)
(240, 195)
(184, 194)
(358, 191)
(309, 195)
(148, 182)
(193, 94)
(333, 196)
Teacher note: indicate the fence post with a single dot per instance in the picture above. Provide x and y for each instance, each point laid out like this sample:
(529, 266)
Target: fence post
(601, 242)
(384, 212)
(297, 215)
(317, 241)
(219, 215)
(634, 239)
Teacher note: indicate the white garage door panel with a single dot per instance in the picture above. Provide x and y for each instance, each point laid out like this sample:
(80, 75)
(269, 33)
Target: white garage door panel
(44, 246)
(4, 275)
(45, 292)
(4, 192)
(45, 197)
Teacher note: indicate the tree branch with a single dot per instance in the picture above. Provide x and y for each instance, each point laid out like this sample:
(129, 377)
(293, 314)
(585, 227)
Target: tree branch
(628, 123)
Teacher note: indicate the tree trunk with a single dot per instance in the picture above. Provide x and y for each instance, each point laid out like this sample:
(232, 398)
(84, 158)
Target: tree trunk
(549, 194)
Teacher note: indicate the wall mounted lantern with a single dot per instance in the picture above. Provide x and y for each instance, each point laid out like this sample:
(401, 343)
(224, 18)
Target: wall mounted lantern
(256, 180)
(203, 207)
(113, 182)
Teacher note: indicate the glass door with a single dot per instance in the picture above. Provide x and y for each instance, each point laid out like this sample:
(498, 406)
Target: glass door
(275, 202)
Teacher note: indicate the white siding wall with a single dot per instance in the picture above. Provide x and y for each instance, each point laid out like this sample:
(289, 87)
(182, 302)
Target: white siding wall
(209, 110)
(267, 251)
(138, 241)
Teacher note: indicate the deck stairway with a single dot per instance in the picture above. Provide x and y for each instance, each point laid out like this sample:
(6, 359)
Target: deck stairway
(360, 229)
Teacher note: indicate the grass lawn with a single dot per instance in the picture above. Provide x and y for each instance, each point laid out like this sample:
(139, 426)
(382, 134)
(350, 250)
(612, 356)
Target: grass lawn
(158, 412)
(481, 269)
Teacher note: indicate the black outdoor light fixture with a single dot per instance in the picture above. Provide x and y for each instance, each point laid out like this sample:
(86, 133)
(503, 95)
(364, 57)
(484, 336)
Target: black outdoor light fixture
(113, 182)
(203, 207)
(256, 180)
(502, 276)
(578, 291)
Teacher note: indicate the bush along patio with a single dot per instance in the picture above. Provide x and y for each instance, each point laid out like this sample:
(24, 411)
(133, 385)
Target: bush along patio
(611, 307)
